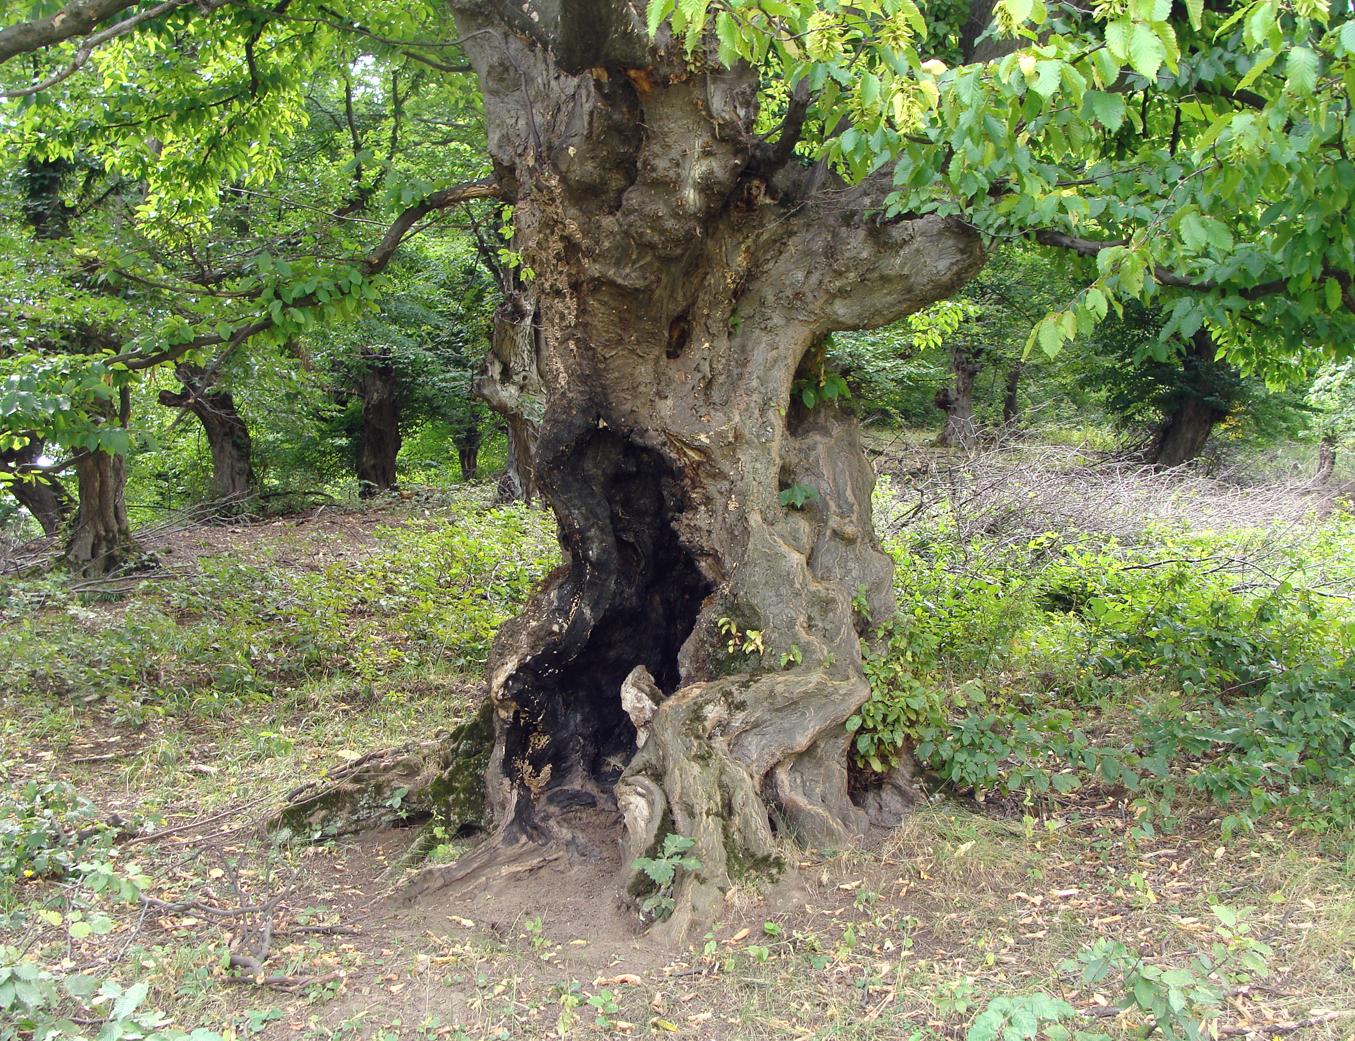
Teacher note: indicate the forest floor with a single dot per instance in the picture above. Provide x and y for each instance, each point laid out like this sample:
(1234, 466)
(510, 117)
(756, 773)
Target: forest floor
(273, 653)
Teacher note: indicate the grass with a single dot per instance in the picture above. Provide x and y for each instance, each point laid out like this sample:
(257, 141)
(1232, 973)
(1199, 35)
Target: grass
(192, 707)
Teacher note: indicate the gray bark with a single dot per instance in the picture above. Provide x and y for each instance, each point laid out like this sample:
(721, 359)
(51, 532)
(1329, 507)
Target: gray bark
(1185, 431)
(101, 541)
(1326, 458)
(957, 400)
(380, 439)
(509, 381)
(682, 276)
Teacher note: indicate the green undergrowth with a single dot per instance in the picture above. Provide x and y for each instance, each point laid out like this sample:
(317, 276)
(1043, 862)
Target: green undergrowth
(429, 593)
(1187, 667)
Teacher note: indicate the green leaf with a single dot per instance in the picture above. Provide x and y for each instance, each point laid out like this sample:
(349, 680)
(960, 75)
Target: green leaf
(1106, 109)
(1301, 70)
(1333, 291)
(658, 11)
(1117, 40)
(1049, 74)
(727, 32)
(130, 1001)
(1264, 60)
(1050, 337)
(1195, 11)
(1146, 51)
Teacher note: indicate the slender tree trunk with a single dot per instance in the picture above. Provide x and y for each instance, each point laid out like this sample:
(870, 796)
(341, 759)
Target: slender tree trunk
(1011, 400)
(1186, 429)
(1326, 458)
(684, 270)
(957, 400)
(510, 383)
(380, 440)
(233, 483)
(468, 451)
(41, 494)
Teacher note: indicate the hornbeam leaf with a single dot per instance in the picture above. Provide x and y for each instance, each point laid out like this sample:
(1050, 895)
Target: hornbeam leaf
(727, 32)
(1117, 40)
(1146, 52)
(1301, 67)
(1019, 9)
(1195, 11)
(1264, 60)
(1106, 109)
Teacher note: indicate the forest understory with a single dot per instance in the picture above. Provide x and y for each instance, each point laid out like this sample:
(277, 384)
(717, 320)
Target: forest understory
(1089, 856)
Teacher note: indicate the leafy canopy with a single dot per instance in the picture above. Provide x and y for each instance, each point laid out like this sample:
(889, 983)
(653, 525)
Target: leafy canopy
(1198, 152)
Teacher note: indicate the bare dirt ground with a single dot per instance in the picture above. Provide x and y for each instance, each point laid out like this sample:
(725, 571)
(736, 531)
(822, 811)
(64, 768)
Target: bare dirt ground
(907, 937)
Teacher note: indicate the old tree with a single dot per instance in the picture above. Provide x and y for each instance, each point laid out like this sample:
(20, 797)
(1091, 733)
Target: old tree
(702, 192)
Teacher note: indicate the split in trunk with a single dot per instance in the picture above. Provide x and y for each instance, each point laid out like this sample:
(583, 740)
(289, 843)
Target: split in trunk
(40, 493)
(684, 269)
(510, 383)
(233, 484)
(379, 443)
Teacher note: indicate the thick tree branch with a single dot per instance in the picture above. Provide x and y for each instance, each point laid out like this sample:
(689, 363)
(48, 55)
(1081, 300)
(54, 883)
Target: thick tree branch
(769, 156)
(75, 19)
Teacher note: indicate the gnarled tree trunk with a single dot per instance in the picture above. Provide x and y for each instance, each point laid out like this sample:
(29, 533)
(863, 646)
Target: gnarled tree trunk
(653, 216)
(41, 494)
(1326, 459)
(957, 400)
(468, 451)
(1011, 394)
(510, 383)
(379, 444)
(1185, 430)
(101, 541)
(233, 484)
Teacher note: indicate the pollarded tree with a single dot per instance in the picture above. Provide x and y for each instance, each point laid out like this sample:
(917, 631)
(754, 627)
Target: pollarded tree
(703, 198)
(688, 262)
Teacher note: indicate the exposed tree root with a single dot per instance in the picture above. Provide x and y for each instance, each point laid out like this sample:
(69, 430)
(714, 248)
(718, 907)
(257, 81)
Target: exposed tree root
(439, 780)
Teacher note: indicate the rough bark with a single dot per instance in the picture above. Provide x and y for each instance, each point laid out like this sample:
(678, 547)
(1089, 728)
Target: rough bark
(1326, 459)
(510, 383)
(468, 451)
(41, 494)
(1011, 394)
(379, 443)
(682, 276)
(101, 541)
(957, 400)
(1185, 430)
(233, 483)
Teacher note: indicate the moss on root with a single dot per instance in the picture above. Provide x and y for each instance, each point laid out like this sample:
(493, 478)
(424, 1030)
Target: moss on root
(441, 781)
